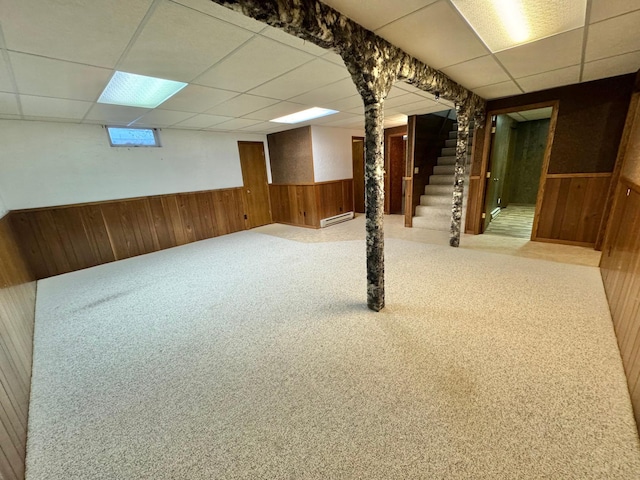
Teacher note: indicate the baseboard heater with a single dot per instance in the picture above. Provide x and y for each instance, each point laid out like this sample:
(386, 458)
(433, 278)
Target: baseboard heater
(343, 217)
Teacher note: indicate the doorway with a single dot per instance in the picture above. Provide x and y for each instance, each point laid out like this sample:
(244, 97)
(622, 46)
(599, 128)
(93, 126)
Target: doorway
(256, 186)
(357, 153)
(519, 145)
(395, 168)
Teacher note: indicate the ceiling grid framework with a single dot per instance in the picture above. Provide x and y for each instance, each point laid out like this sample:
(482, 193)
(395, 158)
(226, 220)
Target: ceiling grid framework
(56, 57)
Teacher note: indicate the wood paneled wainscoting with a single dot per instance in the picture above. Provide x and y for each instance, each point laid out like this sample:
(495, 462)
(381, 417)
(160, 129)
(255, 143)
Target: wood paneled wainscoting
(17, 314)
(572, 208)
(620, 267)
(63, 239)
(305, 205)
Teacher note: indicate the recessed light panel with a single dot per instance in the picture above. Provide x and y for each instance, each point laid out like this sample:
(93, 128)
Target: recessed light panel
(503, 24)
(134, 90)
(304, 115)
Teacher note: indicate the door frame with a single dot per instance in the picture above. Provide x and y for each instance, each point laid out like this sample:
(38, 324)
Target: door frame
(392, 132)
(249, 221)
(484, 166)
(354, 139)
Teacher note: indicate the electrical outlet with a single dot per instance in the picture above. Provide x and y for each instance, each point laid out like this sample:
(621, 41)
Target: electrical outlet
(416, 170)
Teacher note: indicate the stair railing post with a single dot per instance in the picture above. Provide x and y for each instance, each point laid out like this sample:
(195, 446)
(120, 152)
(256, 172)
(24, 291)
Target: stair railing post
(462, 141)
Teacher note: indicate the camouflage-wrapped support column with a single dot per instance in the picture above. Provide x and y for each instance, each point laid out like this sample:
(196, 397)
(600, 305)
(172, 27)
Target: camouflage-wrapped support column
(458, 185)
(374, 202)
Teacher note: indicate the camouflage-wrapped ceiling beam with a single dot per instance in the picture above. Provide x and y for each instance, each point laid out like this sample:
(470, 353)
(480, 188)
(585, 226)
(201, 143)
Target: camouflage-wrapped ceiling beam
(375, 65)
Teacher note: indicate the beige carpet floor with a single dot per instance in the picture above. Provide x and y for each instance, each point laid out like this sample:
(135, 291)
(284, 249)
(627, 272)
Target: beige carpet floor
(252, 356)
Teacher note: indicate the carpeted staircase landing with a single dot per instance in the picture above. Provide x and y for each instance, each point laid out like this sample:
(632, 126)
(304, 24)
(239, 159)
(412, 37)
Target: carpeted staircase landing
(434, 211)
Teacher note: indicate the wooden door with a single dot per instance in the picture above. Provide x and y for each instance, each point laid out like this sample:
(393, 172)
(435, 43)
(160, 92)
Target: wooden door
(357, 151)
(256, 186)
(397, 155)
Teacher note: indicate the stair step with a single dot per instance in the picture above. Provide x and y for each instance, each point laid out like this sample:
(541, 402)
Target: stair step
(444, 170)
(448, 151)
(450, 160)
(441, 180)
(434, 213)
(438, 189)
(440, 200)
(454, 134)
(452, 142)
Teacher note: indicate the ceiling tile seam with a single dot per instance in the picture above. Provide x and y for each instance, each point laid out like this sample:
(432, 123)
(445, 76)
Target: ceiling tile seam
(615, 16)
(404, 16)
(612, 56)
(549, 71)
(493, 54)
(286, 73)
(55, 59)
(213, 16)
(465, 61)
(134, 38)
(269, 28)
(585, 38)
(325, 86)
(12, 77)
(193, 81)
(150, 11)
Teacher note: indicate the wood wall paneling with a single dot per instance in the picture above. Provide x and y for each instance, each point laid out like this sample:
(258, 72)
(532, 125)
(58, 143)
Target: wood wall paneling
(306, 205)
(620, 267)
(17, 314)
(63, 239)
(572, 208)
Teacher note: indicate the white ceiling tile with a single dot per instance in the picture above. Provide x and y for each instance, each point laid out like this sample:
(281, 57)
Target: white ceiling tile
(544, 55)
(526, 21)
(9, 116)
(612, 66)
(197, 99)
(333, 58)
(499, 90)
(439, 36)
(5, 81)
(223, 13)
(346, 104)
(336, 117)
(477, 72)
(278, 110)
(53, 107)
(373, 14)
(241, 105)
(179, 43)
(236, 124)
(62, 79)
(8, 104)
(303, 79)
(202, 121)
(556, 78)
(114, 114)
(613, 37)
(162, 118)
(293, 41)
(406, 99)
(263, 127)
(426, 105)
(517, 117)
(84, 31)
(603, 9)
(256, 62)
(323, 95)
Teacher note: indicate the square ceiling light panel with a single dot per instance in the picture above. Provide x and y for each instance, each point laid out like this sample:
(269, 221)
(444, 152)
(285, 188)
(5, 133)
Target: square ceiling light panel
(503, 24)
(133, 90)
(305, 115)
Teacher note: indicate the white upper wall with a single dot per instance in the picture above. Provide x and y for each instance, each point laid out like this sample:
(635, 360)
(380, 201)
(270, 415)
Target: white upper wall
(332, 157)
(47, 164)
(3, 208)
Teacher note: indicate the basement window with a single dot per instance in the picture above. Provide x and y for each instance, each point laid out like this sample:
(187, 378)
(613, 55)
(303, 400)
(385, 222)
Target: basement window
(133, 137)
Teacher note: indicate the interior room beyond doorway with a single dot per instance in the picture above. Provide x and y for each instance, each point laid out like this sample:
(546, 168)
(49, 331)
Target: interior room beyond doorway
(519, 141)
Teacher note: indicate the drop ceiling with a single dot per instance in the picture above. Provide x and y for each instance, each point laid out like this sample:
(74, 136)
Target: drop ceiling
(56, 57)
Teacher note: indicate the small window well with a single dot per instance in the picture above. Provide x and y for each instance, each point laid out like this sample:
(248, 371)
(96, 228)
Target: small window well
(133, 137)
